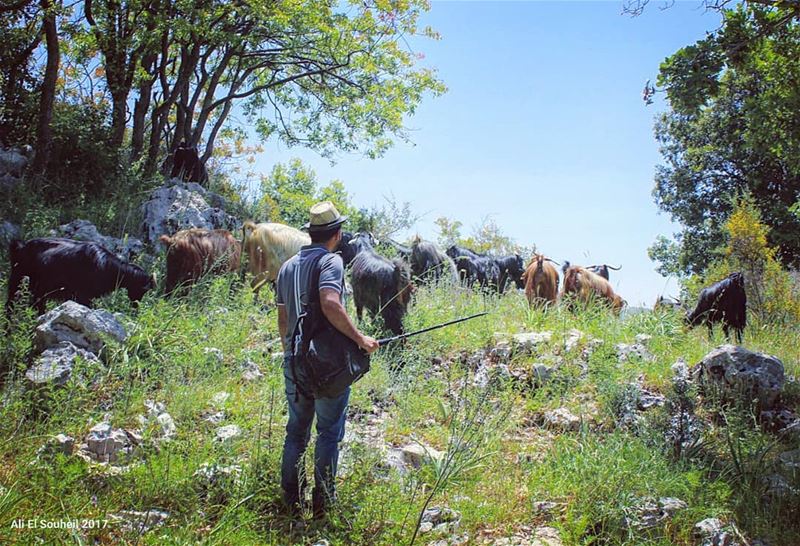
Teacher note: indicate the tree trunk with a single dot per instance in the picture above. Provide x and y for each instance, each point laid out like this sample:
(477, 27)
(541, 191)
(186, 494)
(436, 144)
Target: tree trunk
(44, 133)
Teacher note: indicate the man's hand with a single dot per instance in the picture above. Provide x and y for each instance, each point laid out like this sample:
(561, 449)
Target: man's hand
(369, 344)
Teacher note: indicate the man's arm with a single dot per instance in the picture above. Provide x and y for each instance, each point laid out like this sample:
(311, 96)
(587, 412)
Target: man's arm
(282, 326)
(336, 314)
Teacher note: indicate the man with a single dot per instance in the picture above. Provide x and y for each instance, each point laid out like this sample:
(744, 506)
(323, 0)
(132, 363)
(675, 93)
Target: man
(325, 229)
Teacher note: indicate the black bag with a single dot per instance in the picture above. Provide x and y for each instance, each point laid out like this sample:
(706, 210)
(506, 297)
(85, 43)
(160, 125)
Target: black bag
(324, 361)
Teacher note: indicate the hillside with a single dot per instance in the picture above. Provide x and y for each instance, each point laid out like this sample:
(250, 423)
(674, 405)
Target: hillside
(539, 437)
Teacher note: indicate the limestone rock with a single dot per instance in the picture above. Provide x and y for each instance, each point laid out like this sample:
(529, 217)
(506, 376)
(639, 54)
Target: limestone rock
(561, 419)
(107, 444)
(251, 371)
(228, 432)
(440, 519)
(412, 456)
(220, 398)
(172, 208)
(735, 373)
(626, 351)
(528, 341)
(9, 232)
(652, 513)
(214, 353)
(82, 327)
(54, 366)
(82, 230)
(210, 474)
(139, 522)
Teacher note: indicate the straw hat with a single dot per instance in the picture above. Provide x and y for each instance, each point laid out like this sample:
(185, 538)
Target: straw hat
(324, 216)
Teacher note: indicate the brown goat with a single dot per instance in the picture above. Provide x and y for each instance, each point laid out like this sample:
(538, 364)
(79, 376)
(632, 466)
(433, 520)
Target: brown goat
(586, 285)
(541, 281)
(192, 253)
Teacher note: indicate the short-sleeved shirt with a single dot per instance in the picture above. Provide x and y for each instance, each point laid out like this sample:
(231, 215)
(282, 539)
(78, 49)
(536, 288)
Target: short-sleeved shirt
(293, 278)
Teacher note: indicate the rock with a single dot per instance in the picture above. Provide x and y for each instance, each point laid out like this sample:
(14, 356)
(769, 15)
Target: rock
(9, 232)
(412, 456)
(83, 327)
(737, 374)
(251, 371)
(54, 366)
(778, 487)
(778, 419)
(60, 443)
(178, 206)
(214, 353)
(13, 162)
(574, 338)
(220, 398)
(648, 400)
(561, 419)
(643, 339)
(626, 351)
(440, 519)
(228, 432)
(651, 513)
(214, 418)
(106, 444)
(132, 521)
(541, 373)
(546, 536)
(82, 230)
(707, 528)
(210, 474)
(680, 371)
(154, 409)
(168, 429)
(790, 463)
(527, 341)
(545, 509)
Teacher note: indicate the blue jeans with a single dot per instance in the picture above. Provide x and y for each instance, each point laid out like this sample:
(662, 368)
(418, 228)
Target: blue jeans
(331, 415)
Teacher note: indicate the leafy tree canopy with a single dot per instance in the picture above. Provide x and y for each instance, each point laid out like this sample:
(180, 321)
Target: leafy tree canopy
(733, 127)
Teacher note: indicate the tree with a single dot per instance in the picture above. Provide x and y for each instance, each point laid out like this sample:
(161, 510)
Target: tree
(733, 127)
(288, 192)
(486, 237)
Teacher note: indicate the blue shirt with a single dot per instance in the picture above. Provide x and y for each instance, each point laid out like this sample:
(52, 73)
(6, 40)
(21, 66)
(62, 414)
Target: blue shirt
(293, 278)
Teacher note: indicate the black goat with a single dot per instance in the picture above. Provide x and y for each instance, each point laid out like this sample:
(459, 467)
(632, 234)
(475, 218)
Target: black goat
(725, 302)
(63, 269)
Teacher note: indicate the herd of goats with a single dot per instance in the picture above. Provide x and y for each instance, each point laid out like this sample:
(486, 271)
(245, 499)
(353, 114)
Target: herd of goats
(63, 269)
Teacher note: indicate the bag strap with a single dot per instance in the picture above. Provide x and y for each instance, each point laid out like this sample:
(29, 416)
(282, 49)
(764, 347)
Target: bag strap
(305, 330)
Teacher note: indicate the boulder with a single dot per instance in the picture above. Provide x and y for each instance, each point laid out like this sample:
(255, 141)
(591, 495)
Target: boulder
(54, 366)
(180, 205)
(77, 324)
(734, 373)
(13, 161)
(9, 232)
(82, 230)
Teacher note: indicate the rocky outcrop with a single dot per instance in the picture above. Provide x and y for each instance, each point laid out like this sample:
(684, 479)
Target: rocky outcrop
(735, 374)
(55, 365)
(13, 162)
(82, 230)
(179, 205)
(84, 328)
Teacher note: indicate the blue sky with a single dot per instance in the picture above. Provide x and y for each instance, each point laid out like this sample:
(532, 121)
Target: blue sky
(543, 129)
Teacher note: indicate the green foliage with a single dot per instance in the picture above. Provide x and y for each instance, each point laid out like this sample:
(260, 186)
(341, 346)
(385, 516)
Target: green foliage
(487, 237)
(773, 296)
(732, 128)
(289, 191)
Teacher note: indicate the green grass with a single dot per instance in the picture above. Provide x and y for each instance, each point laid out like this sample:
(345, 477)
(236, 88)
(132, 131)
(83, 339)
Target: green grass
(504, 461)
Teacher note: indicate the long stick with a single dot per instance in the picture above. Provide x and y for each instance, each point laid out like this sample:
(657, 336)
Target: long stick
(384, 341)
